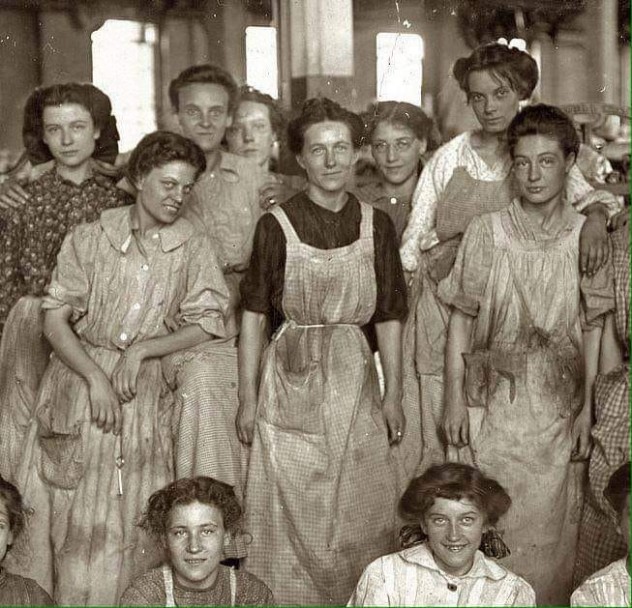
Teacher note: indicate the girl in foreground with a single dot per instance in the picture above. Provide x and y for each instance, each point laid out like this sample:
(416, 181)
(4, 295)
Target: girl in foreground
(193, 520)
(128, 289)
(456, 507)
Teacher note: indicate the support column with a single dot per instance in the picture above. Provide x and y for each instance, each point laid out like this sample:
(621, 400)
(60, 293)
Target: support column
(601, 25)
(321, 35)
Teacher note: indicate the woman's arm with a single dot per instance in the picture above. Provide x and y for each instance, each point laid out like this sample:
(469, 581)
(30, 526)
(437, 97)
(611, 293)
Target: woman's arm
(104, 404)
(583, 421)
(455, 420)
(611, 355)
(251, 340)
(389, 340)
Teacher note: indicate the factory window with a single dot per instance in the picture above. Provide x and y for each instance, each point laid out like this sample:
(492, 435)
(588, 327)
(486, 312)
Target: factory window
(399, 67)
(261, 59)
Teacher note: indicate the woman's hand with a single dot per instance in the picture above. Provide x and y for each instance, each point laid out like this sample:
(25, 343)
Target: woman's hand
(274, 191)
(12, 196)
(456, 424)
(104, 404)
(125, 373)
(246, 420)
(620, 219)
(593, 244)
(394, 418)
(581, 435)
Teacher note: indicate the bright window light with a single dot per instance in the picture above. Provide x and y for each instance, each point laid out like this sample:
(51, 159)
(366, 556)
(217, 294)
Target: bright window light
(399, 67)
(123, 67)
(261, 59)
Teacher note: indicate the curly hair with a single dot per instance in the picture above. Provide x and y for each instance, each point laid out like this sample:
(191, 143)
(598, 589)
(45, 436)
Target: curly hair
(321, 109)
(618, 488)
(204, 74)
(205, 490)
(277, 118)
(454, 481)
(12, 500)
(403, 114)
(95, 101)
(542, 119)
(162, 147)
(516, 67)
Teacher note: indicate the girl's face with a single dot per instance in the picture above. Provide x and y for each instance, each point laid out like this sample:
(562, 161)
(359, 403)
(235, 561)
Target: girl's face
(328, 156)
(69, 133)
(396, 150)
(251, 133)
(540, 169)
(493, 100)
(454, 529)
(6, 536)
(195, 539)
(162, 191)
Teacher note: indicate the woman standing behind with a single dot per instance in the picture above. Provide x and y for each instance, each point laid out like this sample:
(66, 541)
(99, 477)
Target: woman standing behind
(469, 176)
(70, 123)
(322, 484)
(128, 289)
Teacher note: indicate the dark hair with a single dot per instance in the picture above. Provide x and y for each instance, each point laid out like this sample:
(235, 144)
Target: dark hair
(205, 490)
(277, 119)
(454, 481)
(399, 113)
(321, 109)
(95, 101)
(162, 147)
(12, 500)
(618, 488)
(518, 68)
(549, 121)
(204, 74)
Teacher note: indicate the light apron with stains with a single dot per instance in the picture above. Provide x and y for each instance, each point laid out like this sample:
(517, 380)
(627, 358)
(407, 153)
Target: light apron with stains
(321, 493)
(426, 328)
(523, 383)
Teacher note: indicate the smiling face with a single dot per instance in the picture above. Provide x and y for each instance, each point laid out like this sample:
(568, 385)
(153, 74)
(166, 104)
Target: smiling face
(195, 539)
(6, 536)
(328, 157)
(540, 169)
(69, 133)
(396, 152)
(161, 193)
(454, 529)
(203, 114)
(493, 100)
(251, 133)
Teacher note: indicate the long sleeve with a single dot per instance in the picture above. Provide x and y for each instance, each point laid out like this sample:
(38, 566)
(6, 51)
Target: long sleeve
(371, 588)
(581, 194)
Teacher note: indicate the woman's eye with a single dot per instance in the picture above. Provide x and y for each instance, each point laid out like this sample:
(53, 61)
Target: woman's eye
(520, 164)
(318, 151)
(192, 112)
(468, 520)
(187, 190)
(342, 147)
(207, 531)
(548, 162)
(476, 98)
(502, 92)
(179, 533)
(168, 185)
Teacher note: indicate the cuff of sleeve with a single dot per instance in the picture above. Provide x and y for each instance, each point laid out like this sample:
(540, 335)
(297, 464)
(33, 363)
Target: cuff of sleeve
(211, 322)
(465, 303)
(57, 298)
(612, 203)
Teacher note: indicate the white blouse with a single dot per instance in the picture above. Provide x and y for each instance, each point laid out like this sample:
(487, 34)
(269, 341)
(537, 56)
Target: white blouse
(608, 587)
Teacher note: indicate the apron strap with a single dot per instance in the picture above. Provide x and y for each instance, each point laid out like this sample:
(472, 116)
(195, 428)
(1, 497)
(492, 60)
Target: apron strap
(288, 230)
(167, 576)
(366, 223)
(233, 586)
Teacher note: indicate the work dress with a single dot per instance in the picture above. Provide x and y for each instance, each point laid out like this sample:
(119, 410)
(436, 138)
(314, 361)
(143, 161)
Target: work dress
(88, 488)
(523, 382)
(322, 482)
(608, 290)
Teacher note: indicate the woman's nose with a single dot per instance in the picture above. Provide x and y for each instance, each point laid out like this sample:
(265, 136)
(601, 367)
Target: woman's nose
(534, 172)
(330, 158)
(391, 152)
(66, 137)
(453, 531)
(248, 134)
(194, 544)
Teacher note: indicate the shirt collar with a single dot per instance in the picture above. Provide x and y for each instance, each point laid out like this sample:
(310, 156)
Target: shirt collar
(227, 168)
(118, 225)
(481, 568)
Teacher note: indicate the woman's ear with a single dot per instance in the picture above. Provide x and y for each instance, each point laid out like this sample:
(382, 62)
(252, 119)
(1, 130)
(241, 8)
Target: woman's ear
(423, 146)
(570, 161)
(299, 160)
(96, 134)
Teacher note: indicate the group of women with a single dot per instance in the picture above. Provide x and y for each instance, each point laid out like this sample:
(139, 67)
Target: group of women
(493, 294)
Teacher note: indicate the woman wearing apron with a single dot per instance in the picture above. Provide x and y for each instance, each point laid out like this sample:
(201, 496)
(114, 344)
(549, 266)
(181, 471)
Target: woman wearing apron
(469, 176)
(322, 485)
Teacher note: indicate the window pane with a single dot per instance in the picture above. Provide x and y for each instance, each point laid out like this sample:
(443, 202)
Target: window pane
(261, 59)
(399, 67)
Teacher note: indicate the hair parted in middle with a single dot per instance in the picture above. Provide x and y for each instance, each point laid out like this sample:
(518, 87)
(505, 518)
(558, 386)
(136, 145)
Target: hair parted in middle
(277, 118)
(403, 114)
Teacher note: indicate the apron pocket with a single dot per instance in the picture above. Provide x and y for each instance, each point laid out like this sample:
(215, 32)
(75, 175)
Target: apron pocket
(61, 458)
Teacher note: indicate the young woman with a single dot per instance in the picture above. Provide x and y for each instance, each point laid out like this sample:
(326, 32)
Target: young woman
(611, 585)
(322, 481)
(15, 590)
(469, 176)
(513, 358)
(456, 508)
(606, 298)
(193, 519)
(134, 286)
(69, 123)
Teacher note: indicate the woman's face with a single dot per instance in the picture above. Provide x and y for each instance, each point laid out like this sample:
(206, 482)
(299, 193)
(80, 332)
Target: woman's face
(251, 133)
(6, 536)
(162, 191)
(328, 156)
(493, 100)
(624, 522)
(396, 150)
(195, 542)
(454, 529)
(69, 133)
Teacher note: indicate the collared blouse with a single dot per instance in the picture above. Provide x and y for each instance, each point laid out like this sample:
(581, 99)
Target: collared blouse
(608, 587)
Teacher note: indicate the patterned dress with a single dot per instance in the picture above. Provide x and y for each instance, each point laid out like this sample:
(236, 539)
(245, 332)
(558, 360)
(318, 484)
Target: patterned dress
(412, 578)
(322, 482)
(608, 290)
(30, 238)
(523, 381)
(123, 288)
(608, 587)
(19, 591)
